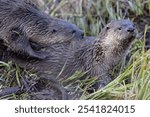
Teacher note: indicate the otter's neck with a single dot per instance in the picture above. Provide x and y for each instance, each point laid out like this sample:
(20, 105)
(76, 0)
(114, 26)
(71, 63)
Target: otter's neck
(109, 52)
(113, 47)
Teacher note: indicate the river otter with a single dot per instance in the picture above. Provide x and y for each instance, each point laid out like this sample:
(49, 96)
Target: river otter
(93, 55)
(22, 22)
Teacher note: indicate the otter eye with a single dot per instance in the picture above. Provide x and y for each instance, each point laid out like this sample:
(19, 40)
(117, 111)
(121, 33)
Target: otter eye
(73, 32)
(107, 28)
(54, 31)
(119, 28)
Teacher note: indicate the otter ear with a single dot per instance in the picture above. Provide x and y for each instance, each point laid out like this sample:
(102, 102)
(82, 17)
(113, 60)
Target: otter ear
(19, 43)
(24, 48)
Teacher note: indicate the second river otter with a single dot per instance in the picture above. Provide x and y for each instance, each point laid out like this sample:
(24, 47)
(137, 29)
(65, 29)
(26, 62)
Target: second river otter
(94, 55)
(23, 23)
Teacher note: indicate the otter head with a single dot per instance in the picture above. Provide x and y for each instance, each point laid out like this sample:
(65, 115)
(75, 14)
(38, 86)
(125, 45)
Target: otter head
(121, 32)
(54, 31)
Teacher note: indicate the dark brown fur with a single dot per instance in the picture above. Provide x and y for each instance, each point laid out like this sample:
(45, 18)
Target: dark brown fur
(96, 56)
(23, 23)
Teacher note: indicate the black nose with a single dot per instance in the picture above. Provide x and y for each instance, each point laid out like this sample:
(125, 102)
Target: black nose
(131, 29)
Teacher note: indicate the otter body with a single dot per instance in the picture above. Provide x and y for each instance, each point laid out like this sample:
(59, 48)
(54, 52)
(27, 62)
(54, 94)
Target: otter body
(22, 22)
(94, 55)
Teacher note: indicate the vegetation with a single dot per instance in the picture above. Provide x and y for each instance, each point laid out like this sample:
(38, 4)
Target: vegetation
(131, 77)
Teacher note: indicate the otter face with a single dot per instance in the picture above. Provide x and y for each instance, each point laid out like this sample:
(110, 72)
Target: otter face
(121, 31)
(52, 30)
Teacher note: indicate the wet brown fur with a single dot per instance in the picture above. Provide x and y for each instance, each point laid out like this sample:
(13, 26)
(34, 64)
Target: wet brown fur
(94, 55)
(23, 23)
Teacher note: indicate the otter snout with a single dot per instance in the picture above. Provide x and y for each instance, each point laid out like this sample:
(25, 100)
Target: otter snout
(131, 29)
(71, 29)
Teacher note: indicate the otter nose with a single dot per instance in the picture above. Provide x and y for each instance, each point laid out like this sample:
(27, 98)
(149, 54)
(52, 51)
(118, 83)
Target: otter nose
(131, 29)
